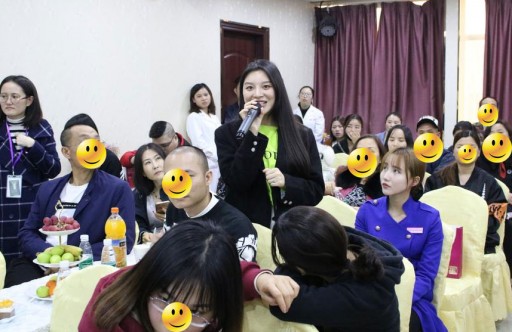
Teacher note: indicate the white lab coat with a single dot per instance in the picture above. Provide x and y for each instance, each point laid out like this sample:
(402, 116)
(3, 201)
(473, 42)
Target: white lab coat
(314, 119)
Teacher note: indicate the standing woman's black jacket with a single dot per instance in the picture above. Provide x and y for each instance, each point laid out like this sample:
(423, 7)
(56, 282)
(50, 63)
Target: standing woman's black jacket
(241, 167)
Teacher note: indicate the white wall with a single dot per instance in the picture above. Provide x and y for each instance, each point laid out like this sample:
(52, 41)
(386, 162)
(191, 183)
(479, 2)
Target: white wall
(128, 63)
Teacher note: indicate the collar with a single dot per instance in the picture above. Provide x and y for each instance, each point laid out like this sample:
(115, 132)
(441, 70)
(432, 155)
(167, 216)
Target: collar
(407, 207)
(213, 201)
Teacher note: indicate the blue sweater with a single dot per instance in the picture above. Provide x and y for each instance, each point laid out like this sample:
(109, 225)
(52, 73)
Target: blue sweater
(103, 192)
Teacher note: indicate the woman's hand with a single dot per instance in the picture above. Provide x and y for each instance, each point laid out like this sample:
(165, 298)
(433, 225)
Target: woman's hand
(329, 188)
(24, 140)
(255, 126)
(353, 135)
(277, 290)
(274, 177)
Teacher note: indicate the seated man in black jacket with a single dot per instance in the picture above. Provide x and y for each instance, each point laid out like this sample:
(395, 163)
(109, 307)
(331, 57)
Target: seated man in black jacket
(200, 203)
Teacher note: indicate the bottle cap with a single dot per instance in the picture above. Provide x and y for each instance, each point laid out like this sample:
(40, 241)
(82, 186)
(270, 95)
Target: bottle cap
(107, 242)
(64, 264)
(84, 238)
(114, 210)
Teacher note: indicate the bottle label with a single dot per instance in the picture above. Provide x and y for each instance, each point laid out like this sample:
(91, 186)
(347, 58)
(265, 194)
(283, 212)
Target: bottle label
(119, 246)
(86, 261)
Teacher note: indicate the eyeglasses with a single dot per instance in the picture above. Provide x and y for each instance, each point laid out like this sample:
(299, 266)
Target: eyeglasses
(166, 145)
(305, 94)
(197, 320)
(4, 97)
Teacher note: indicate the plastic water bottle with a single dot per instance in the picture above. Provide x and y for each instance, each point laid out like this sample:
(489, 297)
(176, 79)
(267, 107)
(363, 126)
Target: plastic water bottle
(87, 257)
(107, 254)
(63, 271)
(115, 229)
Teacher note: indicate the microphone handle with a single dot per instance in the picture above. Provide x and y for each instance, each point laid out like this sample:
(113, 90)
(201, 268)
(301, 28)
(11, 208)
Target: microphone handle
(246, 124)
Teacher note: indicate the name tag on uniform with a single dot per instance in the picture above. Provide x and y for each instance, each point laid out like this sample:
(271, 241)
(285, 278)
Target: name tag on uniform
(13, 186)
(415, 230)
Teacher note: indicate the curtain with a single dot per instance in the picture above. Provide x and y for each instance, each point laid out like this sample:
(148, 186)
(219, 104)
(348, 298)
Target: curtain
(343, 63)
(399, 69)
(498, 55)
(409, 61)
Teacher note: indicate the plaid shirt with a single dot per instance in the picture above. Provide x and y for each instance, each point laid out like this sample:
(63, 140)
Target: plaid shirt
(37, 164)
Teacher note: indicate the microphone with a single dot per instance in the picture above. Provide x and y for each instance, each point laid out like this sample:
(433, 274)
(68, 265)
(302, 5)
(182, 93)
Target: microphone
(249, 119)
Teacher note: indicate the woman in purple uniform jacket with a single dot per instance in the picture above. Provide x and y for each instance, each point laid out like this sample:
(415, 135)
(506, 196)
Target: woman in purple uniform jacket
(412, 227)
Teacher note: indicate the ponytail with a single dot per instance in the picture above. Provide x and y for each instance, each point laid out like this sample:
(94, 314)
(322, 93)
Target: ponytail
(367, 266)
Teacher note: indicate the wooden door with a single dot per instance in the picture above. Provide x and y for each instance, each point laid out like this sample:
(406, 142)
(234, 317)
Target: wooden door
(240, 44)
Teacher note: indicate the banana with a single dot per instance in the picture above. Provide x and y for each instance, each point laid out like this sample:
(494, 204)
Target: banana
(75, 251)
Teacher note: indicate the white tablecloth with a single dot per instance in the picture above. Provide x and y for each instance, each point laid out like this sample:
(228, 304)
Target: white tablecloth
(32, 314)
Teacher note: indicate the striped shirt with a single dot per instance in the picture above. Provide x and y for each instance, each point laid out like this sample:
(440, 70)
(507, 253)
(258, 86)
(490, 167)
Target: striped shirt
(16, 127)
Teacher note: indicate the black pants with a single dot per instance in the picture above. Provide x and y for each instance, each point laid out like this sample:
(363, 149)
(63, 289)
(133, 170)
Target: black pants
(21, 270)
(507, 242)
(415, 323)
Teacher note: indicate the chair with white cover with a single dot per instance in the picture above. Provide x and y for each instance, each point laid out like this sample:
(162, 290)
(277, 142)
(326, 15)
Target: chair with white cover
(404, 293)
(72, 295)
(3, 270)
(340, 159)
(496, 275)
(344, 213)
(463, 306)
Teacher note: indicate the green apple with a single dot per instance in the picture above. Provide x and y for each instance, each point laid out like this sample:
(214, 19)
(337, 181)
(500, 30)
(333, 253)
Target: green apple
(55, 259)
(57, 250)
(44, 258)
(43, 291)
(68, 257)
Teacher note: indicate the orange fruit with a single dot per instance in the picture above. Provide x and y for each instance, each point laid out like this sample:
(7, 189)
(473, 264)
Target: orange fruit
(51, 284)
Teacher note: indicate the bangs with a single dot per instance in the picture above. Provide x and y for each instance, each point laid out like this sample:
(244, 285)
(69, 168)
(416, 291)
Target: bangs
(394, 160)
(196, 293)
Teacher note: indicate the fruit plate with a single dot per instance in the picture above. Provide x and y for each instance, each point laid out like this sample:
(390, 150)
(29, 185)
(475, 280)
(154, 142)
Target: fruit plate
(56, 265)
(59, 233)
(33, 295)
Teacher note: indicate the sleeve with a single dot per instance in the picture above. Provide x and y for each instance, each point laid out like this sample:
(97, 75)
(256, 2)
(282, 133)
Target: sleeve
(30, 239)
(141, 214)
(309, 307)
(195, 131)
(427, 266)
(126, 159)
(497, 204)
(318, 131)
(361, 219)
(249, 272)
(44, 154)
(87, 321)
(240, 164)
(310, 190)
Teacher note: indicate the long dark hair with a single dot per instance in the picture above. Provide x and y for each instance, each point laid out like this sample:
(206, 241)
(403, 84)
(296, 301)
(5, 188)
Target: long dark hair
(341, 120)
(298, 158)
(33, 113)
(311, 239)
(413, 168)
(448, 174)
(144, 185)
(407, 135)
(193, 106)
(194, 257)
(349, 118)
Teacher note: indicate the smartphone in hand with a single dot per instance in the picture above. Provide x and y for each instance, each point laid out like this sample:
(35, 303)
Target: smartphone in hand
(161, 207)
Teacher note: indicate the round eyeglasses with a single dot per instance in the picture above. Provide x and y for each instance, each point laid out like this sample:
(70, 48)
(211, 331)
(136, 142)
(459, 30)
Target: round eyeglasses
(197, 320)
(4, 97)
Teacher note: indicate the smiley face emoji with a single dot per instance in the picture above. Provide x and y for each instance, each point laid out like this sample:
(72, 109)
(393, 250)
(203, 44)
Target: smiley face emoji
(91, 153)
(176, 317)
(428, 147)
(467, 154)
(362, 162)
(496, 148)
(176, 183)
(488, 114)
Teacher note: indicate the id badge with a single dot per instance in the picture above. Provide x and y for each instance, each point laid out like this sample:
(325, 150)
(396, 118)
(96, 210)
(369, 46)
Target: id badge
(14, 186)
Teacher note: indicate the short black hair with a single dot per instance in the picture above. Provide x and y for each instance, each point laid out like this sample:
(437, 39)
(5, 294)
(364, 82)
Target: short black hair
(159, 128)
(197, 151)
(310, 88)
(79, 119)
(462, 125)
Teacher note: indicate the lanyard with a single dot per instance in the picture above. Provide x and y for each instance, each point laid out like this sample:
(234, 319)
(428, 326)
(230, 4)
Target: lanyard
(13, 160)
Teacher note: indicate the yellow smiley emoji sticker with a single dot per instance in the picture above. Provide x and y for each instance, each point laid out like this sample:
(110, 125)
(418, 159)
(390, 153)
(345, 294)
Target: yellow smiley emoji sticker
(428, 147)
(496, 148)
(176, 183)
(488, 114)
(91, 153)
(176, 317)
(467, 154)
(362, 162)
